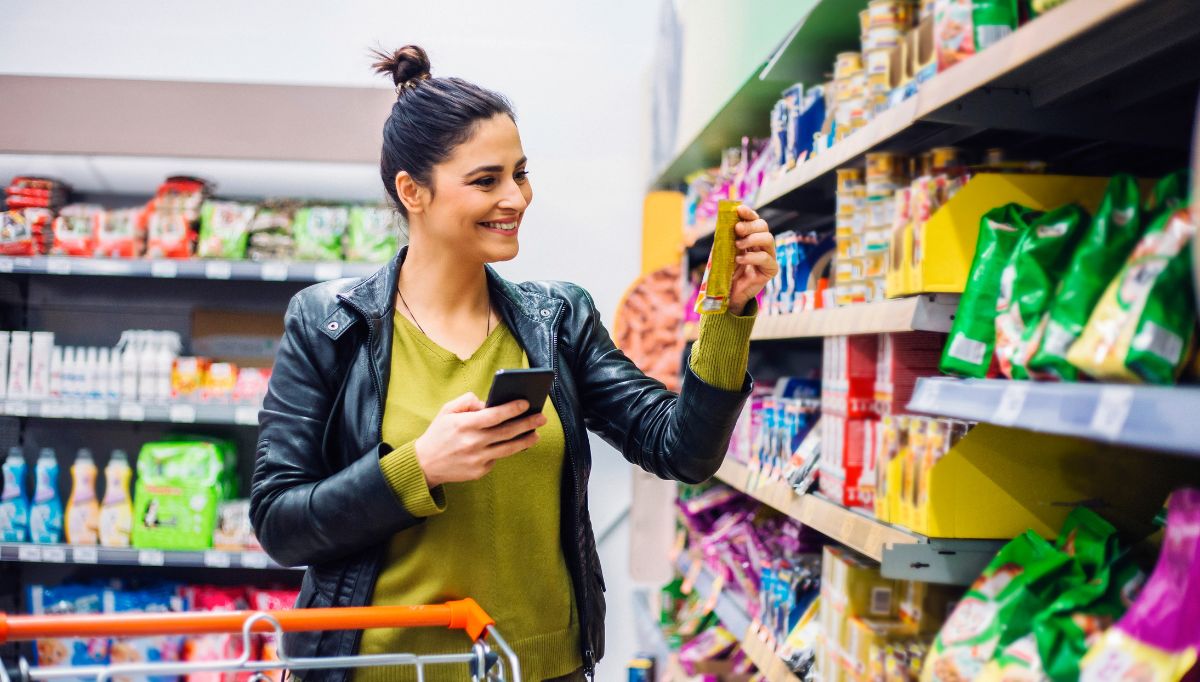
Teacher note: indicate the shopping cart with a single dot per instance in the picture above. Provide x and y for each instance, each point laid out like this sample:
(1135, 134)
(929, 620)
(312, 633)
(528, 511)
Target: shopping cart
(465, 614)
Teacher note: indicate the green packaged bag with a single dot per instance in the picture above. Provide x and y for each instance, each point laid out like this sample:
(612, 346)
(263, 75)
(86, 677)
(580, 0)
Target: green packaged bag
(373, 235)
(178, 488)
(1028, 283)
(1142, 329)
(969, 350)
(224, 229)
(1169, 194)
(319, 231)
(1111, 236)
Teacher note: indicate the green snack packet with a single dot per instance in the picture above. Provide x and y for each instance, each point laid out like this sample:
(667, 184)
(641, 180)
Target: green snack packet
(1028, 282)
(993, 20)
(1020, 582)
(319, 231)
(224, 229)
(373, 235)
(175, 499)
(1169, 194)
(1112, 235)
(970, 347)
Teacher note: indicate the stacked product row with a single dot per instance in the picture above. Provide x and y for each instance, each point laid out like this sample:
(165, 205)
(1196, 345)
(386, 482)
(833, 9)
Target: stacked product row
(156, 598)
(183, 498)
(183, 221)
(144, 366)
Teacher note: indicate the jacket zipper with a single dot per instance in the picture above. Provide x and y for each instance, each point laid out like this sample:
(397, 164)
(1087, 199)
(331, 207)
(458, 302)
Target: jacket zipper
(588, 654)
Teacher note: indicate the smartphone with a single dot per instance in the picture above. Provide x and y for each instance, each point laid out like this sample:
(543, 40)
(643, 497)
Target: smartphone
(521, 384)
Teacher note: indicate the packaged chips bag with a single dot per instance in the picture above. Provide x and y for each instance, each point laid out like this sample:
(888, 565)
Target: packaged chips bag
(122, 235)
(1168, 195)
(717, 284)
(972, 341)
(1028, 282)
(1157, 639)
(1101, 253)
(76, 229)
(319, 230)
(1142, 328)
(374, 234)
(224, 229)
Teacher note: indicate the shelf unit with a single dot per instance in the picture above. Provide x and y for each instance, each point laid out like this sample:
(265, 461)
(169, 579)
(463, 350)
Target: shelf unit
(102, 410)
(903, 554)
(1153, 417)
(929, 312)
(127, 556)
(768, 662)
(185, 269)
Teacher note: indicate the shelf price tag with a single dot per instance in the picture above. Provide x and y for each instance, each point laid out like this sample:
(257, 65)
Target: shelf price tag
(1011, 401)
(255, 559)
(54, 555)
(246, 415)
(58, 266)
(16, 408)
(6, 264)
(327, 271)
(274, 272)
(218, 269)
(1112, 409)
(182, 414)
(29, 553)
(168, 269)
(151, 557)
(95, 411)
(216, 559)
(927, 395)
(131, 412)
(50, 410)
(85, 555)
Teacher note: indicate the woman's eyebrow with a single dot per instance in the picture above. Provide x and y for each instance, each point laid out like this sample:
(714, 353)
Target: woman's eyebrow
(494, 168)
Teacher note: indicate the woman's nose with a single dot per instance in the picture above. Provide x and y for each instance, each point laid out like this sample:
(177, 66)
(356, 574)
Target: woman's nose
(513, 197)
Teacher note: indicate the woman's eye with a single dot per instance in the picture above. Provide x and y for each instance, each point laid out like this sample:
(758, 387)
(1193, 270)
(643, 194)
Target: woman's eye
(486, 181)
(521, 176)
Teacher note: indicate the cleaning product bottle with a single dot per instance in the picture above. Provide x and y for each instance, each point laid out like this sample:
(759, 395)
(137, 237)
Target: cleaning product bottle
(14, 503)
(83, 511)
(116, 512)
(45, 514)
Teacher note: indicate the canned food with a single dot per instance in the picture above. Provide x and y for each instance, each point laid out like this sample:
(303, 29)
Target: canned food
(882, 37)
(890, 13)
(847, 64)
(885, 173)
(864, 21)
(848, 179)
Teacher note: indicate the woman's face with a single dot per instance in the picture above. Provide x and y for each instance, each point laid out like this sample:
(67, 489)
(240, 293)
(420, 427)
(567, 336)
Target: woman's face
(480, 193)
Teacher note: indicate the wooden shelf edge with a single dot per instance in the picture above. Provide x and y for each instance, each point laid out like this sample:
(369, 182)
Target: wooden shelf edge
(926, 312)
(765, 658)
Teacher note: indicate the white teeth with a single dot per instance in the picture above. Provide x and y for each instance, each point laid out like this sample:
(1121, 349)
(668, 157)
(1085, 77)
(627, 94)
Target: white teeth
(507, 227)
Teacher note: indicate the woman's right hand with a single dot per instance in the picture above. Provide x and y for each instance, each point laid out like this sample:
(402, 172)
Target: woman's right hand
(466, 438)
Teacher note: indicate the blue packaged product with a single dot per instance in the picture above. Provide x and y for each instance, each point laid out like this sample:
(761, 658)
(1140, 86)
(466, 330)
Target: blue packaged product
(163, 598)
(793, 97)
(812, 118)
(67, 600)
(46, 511)
(14, 502)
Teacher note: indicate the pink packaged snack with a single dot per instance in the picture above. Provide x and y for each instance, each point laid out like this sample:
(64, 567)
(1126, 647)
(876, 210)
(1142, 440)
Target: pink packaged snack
(1157, 639)
(272, 600)
(215, 647)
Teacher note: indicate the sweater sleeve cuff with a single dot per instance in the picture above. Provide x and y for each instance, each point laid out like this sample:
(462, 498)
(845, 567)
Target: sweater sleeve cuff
(406, 478)
(722, 351)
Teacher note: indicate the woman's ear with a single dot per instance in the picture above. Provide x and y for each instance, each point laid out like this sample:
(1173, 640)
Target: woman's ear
(412, 194)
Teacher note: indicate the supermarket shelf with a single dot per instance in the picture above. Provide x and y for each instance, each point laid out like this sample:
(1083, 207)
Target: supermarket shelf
(103, 410)
(729, 607)
(185, 269)
(902, 553)
(1158, 418)
(649, 633)
(126, 556)
(765, 658)
(929, 312)
(1035, 81)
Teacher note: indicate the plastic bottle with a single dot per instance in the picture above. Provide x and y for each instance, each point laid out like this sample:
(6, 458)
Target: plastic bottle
(68, 367)
(14, 503)
(56, 372)
(45, 514)
(116, 512)
(114, 375)
(163, 362)
(100, 377)
(91, 364)
(129, 371)
(147, 369)
(83, 511)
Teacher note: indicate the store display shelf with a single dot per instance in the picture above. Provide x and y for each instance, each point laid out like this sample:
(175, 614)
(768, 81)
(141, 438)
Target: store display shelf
(928, 312)
(127, 556)
(1153, 417)
(902, 553)
(730, 608)
(185, 269)
(759, 650)
(1032, 81)
(104, 410)
(649, 631)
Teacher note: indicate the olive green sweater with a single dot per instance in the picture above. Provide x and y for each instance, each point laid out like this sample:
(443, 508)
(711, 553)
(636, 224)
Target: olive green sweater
(496, 539)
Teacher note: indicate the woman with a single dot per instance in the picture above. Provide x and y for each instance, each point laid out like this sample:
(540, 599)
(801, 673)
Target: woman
(379, 467)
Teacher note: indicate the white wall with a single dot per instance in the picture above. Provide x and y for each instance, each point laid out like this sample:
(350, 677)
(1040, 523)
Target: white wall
(575, 71)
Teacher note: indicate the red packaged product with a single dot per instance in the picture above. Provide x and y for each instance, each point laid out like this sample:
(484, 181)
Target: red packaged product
(76, 229)
(848, 375)
(122, 235)
(904, 358)
(847, 460)
(215, 647)
(272, 600)
(170, 218)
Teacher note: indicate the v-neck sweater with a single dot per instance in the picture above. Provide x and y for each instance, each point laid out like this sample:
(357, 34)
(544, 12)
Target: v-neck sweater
(495, 539)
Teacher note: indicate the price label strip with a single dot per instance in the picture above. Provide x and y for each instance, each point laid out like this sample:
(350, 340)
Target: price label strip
(1012, 400)
(218, 269)
(255, 559)
(182, 414)
(54, 555)
(151, 557)
(274, 272)
(85, 555)
(1112, 409)
(217, 559)
(167, 269)
(29, 553)
(131, 412)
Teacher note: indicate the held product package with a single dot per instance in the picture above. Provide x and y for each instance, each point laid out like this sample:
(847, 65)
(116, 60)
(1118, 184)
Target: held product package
(64, 600)
(1101, 253)
(717, 284)
(179, 485)
(1142, 329)
(1028, 282)
(373, 235)
(972, 341)
(1157, 638)
(319, 230)
(224, 229)
(965, 27)
(163, 598)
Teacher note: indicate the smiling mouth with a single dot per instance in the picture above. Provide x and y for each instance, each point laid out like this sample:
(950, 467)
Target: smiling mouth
(508, 226)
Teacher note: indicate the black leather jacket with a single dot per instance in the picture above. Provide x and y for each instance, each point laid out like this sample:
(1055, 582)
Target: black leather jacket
(319, 498)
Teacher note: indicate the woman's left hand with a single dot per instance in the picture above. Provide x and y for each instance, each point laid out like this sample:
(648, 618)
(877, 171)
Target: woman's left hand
(756, 264)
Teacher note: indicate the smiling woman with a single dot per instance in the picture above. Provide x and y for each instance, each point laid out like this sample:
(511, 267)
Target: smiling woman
(380, 468)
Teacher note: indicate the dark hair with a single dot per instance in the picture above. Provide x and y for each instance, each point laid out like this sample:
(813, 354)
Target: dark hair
(430, 118)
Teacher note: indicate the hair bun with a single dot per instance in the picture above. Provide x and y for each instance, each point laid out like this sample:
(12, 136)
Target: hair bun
(405, 66)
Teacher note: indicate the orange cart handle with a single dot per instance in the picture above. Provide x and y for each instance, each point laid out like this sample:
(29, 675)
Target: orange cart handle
(463, 614)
